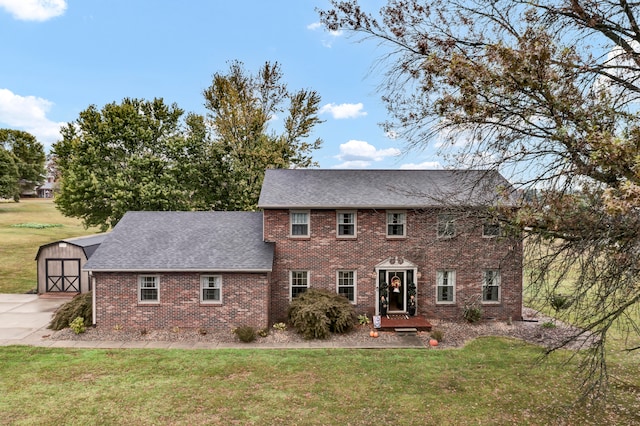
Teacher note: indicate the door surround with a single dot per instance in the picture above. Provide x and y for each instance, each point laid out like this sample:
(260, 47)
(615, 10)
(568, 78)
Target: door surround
(389, 266)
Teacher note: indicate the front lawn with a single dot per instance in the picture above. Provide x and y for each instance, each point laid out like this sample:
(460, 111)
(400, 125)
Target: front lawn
(493, 381)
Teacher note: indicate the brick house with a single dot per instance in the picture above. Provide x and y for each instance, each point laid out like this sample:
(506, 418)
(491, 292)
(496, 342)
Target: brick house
(183, 269)
(391, 241)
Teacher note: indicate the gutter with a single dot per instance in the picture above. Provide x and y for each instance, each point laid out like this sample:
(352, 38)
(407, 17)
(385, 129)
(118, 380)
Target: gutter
(146, 270)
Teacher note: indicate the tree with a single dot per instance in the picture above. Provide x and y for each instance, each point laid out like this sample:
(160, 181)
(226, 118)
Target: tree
(545, 91)
(137, 155)
(28, 157)
(143, 155)
(8, 175)
(241, 107)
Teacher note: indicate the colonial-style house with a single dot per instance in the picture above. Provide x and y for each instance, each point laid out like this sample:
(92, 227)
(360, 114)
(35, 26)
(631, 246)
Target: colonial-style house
(403, 242)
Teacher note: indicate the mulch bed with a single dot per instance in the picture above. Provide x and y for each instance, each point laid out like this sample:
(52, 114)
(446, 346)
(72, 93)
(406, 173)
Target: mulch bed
(455, 334)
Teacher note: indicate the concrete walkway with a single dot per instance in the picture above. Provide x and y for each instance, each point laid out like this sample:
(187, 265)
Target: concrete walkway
(23, 315)
(24, 319)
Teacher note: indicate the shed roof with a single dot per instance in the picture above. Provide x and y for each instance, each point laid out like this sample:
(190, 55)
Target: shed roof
(88, 243)
(185, 241)
(317, 188)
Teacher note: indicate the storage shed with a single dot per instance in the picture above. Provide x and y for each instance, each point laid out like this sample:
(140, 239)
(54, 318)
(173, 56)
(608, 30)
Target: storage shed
(60, 264)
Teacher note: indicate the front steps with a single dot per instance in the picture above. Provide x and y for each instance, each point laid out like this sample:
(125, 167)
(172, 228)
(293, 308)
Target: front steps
(402, 322)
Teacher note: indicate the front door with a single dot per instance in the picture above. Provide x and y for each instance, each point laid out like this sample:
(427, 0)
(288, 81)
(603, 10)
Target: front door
(397, 292)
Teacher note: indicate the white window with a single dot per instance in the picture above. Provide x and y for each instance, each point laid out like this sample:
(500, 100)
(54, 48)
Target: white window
(299, 281)
(346, 224)
(211, 289)
(491, 230)
(347, 285)
(299, 223)
(446, 226)
(148, 289)
(396, 224)
(446, 286)
(491, 286)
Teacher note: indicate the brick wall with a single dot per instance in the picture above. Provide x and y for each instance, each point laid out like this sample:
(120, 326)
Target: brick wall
(468, 253)
(245, 301)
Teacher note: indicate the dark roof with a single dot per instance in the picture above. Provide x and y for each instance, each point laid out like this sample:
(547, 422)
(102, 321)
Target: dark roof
(88, 243)
(185, 241)
(316, 188)
(46, 185)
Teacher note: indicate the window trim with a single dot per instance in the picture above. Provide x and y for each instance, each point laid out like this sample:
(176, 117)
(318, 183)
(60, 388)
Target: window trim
(308, 285)
(497, 279)
(354, 285)
(440, 279)
(291, 223)
(354, 223)
(155, 301)
(449, 221)
(202, 288)
(404, 223)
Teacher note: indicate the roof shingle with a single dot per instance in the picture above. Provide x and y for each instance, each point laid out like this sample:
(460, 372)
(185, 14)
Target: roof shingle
(332, 189)
(185, 241)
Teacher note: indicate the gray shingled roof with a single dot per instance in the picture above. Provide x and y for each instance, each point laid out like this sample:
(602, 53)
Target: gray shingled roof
(316, 188)
(185, 241)
(88, 243)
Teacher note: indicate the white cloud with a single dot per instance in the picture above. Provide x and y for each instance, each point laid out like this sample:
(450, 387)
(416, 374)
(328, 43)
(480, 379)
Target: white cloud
(34, 10)
(360, 154)
(353, 165)
(28, 113)
(332, 34)
(622, 67)
(426, 165)
(314, 26)
(344, 110)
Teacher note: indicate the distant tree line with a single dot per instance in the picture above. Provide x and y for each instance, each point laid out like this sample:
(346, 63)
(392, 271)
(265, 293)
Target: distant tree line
(147, 155)
(21, 163)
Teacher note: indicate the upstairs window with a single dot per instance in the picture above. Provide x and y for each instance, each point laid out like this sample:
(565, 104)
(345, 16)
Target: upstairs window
(346, 224)
(446, 286)
(299, 223)
(491, 286)
(211, 289)
(396, 222)
(148, 289)
(446, 226)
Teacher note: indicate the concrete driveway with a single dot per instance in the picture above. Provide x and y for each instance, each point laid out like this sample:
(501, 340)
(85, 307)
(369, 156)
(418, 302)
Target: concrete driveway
(22, 315)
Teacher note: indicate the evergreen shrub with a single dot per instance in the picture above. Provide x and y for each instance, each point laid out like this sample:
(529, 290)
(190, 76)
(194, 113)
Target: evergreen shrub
(79, 306)
(245, 333)
(317, 313)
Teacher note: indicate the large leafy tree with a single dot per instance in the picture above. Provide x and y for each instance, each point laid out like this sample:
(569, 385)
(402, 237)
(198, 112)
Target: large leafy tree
(547, 92)
(242, 106)
(8, 175)
(27, 155)
(144, 155)
(136, 155)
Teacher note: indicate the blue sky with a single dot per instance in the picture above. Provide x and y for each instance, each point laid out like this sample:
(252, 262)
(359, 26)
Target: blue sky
(60, 56)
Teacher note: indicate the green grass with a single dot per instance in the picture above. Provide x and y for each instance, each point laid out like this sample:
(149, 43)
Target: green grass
(491, 381)
(24, 227)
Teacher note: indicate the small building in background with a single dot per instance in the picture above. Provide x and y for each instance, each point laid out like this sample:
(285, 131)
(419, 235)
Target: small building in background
(60, 264)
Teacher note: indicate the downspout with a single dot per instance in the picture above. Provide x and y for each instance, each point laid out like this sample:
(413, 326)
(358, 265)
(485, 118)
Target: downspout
(93, 298)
